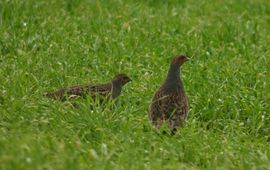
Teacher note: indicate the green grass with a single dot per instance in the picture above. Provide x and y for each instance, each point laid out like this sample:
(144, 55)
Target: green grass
(48, 44)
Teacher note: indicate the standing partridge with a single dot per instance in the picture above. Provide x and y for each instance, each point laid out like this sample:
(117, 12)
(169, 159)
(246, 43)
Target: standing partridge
(107, 90)
(170, 102)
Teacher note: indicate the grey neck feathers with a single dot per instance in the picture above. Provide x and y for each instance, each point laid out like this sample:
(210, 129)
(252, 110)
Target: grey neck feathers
(116, 89)
(173, 80)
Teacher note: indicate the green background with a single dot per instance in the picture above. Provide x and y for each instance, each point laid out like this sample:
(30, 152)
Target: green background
(47, 44)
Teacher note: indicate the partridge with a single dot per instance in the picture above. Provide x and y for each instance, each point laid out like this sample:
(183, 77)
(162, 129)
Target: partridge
(170, 102)
(107, 90)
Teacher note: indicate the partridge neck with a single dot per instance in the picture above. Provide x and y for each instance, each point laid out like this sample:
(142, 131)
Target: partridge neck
(116, 89)
(173, 80)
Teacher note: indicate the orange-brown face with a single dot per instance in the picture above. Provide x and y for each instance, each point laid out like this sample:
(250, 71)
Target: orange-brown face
(179, 60)
(122, 78)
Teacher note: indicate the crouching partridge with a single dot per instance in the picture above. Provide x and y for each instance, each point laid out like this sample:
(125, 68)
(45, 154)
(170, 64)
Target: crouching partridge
(108, 90)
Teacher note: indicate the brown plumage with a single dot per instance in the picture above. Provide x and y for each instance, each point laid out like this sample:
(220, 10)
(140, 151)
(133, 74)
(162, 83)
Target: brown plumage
(170, 102)
(107, 90)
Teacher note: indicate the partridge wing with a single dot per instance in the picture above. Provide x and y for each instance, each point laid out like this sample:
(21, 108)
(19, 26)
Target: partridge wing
(155, 112)
(180, 110)
(100, 90)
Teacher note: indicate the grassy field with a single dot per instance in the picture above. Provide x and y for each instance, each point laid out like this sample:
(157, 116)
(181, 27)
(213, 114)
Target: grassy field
(47, 44)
